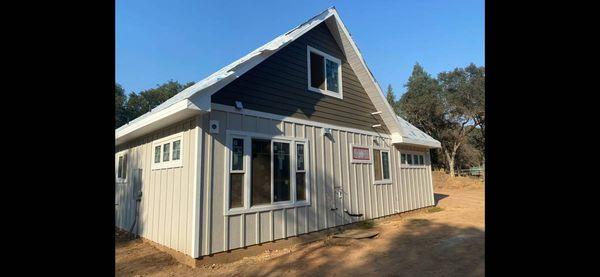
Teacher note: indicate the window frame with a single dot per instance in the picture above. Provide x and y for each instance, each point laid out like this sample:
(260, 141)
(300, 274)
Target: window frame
(381, 150)
(121, 154)
(340, 94)
(170, 163)
(415, 164)
(247, 190)
(305, 171)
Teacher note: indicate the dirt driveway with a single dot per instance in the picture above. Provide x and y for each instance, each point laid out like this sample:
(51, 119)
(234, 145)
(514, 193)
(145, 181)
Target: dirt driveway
(449, 242)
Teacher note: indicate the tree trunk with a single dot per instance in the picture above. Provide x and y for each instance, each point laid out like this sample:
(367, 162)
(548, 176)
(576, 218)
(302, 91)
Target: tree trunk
(451, 165)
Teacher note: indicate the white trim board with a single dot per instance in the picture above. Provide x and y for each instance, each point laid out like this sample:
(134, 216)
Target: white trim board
(231, 109)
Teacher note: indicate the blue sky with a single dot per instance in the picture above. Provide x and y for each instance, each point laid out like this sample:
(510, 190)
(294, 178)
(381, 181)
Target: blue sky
(188, 40)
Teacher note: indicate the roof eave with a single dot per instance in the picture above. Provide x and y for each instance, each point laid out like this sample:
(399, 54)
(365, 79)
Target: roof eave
(174, 113)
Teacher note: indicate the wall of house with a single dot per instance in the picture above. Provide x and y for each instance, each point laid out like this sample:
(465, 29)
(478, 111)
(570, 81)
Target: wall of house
(279, 85)
(329, 167)
(417, 183)
(165, 212)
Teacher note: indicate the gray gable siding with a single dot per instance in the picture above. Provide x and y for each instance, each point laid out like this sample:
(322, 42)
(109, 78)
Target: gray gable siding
(279, 85)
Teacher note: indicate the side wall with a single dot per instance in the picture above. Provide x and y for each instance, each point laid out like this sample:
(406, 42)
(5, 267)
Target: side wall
(165, 212)
(329, 170)
(417, 183)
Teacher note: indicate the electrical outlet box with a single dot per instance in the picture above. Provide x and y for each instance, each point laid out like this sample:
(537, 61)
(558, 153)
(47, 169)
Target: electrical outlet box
(214, 126)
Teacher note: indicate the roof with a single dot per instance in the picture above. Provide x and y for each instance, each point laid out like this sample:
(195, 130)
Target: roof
(413, 135)
(197, 98)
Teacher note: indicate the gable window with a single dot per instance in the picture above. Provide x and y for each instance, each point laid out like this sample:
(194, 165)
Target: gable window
(167, 152)
(381, 166)
(324, 73)
(122, 167)
(277, 172)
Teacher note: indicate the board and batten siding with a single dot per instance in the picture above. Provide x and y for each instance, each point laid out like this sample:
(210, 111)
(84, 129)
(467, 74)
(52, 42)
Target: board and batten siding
(279, 85)
(329, 169)
(165, 212)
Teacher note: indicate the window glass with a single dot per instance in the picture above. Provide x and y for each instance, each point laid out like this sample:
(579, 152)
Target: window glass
(332, 75)
(166, 150)
(236, 190)
(261, 172)
(409, 158)
(317, 76)
(386, 165)
(124, 173)
(415, 159)
(421, 159)
(403, 158)
(157, 154)
(176, 149)
(377, 164)
(301, 186)
(120, 167)
(237, 154)
(299, 156)
(281, 171)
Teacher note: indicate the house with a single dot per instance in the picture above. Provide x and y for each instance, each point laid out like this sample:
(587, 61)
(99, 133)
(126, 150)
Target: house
(293, 138)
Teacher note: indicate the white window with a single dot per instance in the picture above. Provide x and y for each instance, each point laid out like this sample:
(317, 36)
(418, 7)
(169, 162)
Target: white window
(265, 172)
(381, 166)
(324, 73)
(412, 159)
(121, 167)
(167, 152)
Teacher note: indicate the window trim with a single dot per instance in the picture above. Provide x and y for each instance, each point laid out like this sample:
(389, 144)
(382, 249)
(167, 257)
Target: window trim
(382, 181)
(248, 208)
(170, 163)
(326, 56)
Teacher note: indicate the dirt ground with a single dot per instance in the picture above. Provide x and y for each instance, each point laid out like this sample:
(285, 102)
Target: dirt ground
(449, 242)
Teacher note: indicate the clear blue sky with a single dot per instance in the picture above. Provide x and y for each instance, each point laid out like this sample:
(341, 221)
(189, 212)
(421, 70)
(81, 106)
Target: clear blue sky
(190, 39)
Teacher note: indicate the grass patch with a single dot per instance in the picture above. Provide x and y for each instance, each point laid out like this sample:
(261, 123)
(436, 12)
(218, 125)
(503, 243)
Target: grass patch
(434, 209)
(367, 224)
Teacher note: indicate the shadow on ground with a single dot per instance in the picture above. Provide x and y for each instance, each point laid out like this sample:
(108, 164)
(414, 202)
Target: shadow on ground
(438, 196)
(420, 248)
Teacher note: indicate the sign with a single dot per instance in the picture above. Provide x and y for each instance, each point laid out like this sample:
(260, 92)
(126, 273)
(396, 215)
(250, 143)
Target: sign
(361, 154)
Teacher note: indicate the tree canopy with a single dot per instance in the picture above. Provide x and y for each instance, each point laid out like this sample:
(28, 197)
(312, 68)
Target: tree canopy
(451, 108)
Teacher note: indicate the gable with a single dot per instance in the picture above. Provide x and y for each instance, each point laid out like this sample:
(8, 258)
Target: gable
(279, 85)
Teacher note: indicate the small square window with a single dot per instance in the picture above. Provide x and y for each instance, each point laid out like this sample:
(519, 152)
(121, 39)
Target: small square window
(176, 149)
(157, 154)
(166, 150)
